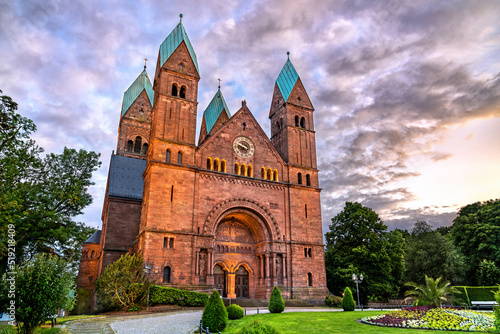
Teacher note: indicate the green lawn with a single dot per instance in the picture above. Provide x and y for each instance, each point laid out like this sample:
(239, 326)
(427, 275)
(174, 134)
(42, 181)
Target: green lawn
(320, 322)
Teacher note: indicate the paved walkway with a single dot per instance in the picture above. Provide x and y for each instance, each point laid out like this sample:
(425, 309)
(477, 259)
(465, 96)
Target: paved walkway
(178, 322)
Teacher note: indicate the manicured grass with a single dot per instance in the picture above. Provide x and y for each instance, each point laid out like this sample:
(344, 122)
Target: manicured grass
(320, 322)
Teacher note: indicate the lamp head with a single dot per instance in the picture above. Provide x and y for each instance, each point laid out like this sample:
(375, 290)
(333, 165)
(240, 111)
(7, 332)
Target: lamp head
(354, 277)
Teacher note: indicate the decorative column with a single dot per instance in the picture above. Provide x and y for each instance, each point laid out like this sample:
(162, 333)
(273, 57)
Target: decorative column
(285, 271)
(273, 269)
(231, 285)
(197, 268)
(210, 270)
(267, 265)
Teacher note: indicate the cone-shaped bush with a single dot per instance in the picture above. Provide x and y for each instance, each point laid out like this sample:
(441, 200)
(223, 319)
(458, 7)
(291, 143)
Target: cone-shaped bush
(215, 314)
(276, 302)
(348, 300)
(235, 312)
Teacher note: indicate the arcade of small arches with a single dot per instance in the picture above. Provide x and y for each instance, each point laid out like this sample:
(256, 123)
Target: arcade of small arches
(299, 179)
(300, 122)
(178, 91)
(136, 146)
(89, 254)
(168, 157)
(216, 165)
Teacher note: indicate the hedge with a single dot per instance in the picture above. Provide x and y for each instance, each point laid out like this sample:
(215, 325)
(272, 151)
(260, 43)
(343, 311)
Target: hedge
(475, 293)
(171, 296)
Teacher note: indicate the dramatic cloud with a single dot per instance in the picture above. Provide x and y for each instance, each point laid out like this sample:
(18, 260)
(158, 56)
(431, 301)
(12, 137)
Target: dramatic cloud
(391, 82)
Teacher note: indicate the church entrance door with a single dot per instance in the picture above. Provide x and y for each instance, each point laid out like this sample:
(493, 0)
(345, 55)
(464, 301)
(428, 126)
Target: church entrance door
(220, 280)
(241, 283)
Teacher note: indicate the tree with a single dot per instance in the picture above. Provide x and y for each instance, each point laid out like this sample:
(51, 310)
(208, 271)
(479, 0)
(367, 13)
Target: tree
(276, 302)
(40, 196)
(348, 303)
(123, 284)
(215, 314)
(358, 242)
(476, 233)
(430, 253)
(432, 294)
(43, 286)
(488, 273)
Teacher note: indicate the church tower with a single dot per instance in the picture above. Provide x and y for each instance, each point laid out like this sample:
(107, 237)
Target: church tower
(292, 125)
(216, 114)
(135, 120)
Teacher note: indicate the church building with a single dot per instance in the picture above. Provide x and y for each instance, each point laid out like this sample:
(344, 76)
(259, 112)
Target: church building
(236, 211)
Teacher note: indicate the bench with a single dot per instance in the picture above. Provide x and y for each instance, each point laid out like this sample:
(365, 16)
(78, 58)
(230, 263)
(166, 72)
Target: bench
(483, 304)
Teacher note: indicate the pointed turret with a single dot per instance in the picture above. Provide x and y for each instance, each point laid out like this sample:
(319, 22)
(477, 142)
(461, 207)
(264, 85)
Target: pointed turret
(135, 120)
(216, 114)
(292, 123)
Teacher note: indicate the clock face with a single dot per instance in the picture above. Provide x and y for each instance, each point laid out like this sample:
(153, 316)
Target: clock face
(243, 147)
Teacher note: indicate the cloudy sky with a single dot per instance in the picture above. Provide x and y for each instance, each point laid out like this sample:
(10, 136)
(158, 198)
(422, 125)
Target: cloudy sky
(407, 93)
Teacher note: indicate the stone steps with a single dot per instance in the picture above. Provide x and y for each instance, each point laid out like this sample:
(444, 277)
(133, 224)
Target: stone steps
(94, 326)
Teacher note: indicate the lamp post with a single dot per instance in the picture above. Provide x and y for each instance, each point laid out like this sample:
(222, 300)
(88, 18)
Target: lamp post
(357, 280)
(147, 271)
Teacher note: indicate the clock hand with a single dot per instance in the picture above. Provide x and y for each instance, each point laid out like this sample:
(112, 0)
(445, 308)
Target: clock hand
(242, 146)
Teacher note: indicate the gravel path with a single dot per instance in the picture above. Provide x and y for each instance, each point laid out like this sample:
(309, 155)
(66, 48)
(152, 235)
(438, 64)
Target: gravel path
(173, 323)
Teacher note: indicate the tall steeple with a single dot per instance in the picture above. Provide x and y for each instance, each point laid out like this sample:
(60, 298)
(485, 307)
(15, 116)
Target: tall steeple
(176, 95)
(135, 120)
(292, 123)
(216, 114)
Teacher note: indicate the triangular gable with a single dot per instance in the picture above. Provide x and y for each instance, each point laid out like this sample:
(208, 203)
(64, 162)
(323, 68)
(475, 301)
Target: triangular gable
(140, 84)
(299, 97)
(242, 112)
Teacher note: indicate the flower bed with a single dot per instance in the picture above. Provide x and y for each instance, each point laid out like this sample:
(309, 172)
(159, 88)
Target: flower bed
(435, 318)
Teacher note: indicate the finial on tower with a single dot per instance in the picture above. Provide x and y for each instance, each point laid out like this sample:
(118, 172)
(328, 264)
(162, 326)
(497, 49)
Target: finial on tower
(145, 61)
(219, 82)
(181, 17)
(288, 54)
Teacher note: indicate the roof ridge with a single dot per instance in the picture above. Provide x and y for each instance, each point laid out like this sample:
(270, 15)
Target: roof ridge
(141, 83)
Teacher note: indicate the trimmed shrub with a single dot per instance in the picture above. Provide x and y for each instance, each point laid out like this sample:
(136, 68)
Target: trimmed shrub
(333, 301)
(276, 302)
(496, 324)
(235, 312)
(215, 314)
(257, 327)
(171, 296)
(348, 301)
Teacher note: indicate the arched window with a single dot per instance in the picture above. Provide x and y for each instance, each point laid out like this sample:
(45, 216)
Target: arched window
(145, 148)
(303, 122)
(223, 166)
(179, 158)
(209, 163)
(275, 175)
(236, 168)
(299, 178)
(167, 155)
(138, 144)
(182, 93)
(93, 255)
(263, 173)
(309, 279)
(243, 170)
(269, 174)
(278, 125)
(308, 179)
(166, 274)
(174, 90)
(130, 146)
(297, 121)
(216, 165)
(250, 171)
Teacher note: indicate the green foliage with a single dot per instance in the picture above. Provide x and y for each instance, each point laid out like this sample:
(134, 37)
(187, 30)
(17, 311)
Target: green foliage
(496, 324)
(432, 254)
(235, 312)
(43, 285)
(348, 301)
(432, 294)
(170, 296)
(215, 314)
(40, 196)
(488, 273)
(276, 302)
(476, 232)
(123, 284)
(82, 304)
(257, 327)
(333, 301)
(480, 293)
(358, 241)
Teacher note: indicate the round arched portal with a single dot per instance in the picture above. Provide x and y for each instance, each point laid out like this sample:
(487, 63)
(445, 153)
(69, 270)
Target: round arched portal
(242, 240)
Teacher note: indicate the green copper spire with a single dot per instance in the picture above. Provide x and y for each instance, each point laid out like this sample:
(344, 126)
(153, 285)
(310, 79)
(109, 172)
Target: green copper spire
(172, 42)
(141, 83)
(287, 78)
(214, 109)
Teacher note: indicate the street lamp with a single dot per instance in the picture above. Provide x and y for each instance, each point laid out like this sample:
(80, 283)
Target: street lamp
(357, 281)
(147, 271)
